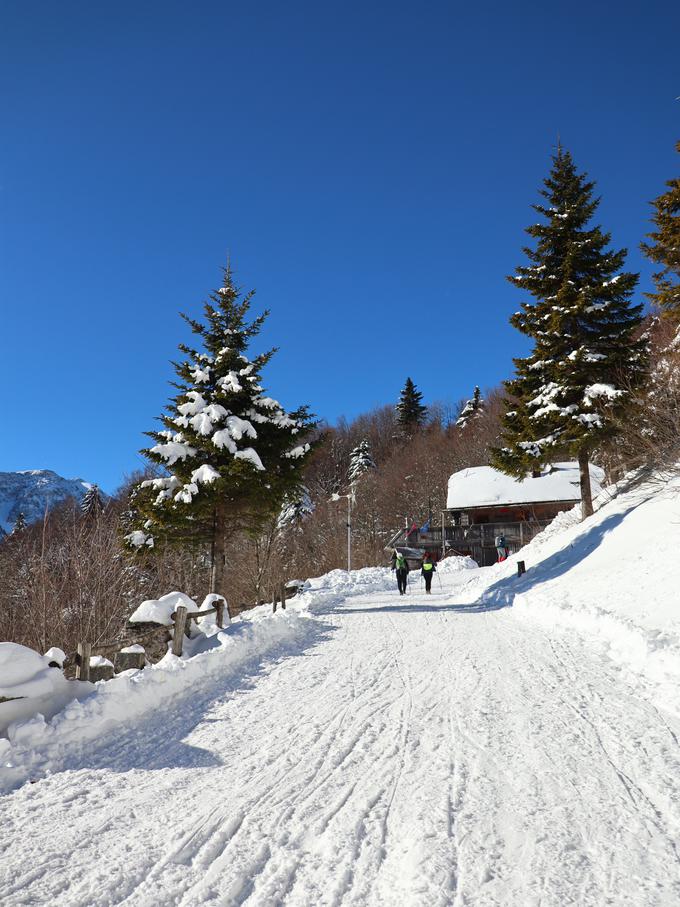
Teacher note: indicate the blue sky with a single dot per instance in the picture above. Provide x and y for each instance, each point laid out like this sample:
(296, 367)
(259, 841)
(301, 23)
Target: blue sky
(368, 166)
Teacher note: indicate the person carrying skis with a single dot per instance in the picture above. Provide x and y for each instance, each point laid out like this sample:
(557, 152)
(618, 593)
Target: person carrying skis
(400, 564)
(427, 570)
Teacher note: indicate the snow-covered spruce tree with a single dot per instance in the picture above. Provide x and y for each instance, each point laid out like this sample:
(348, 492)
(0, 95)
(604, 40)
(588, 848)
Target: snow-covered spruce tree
(585, 364)
(92, 504)
(360, 461)
(231, 453)
(411, 413)
(665, 249)
(473, 408)
(296, 507)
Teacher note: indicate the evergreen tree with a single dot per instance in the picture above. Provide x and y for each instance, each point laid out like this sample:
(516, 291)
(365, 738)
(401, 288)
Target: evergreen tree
(19, 524)
(665, 249)
(472, 409)
(92, 504)
(410, 411)
(360, 461)
(296, 508)
(232, 455)
(569, 392)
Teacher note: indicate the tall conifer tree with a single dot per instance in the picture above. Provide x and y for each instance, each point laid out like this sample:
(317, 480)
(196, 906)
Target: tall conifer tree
(568, 393)
(360, 461)
(92, 504)
(665, 249)
(411, 412)
(232, 455)
(473, 408)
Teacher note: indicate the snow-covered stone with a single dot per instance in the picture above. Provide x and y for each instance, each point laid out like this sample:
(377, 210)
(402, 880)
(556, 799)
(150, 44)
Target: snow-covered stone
(160, 610)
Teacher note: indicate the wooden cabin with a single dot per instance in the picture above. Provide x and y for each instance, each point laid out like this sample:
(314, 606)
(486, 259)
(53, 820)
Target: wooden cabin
(483, 503)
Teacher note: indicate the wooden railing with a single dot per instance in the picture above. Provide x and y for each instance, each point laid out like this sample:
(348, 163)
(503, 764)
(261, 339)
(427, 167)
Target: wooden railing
(181, 627)
(182, 621)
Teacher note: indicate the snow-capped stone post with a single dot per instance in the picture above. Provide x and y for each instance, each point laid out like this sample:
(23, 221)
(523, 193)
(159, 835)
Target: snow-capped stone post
(131, 657)
(180, 620)
(83, 661)
(232, 455)
(569, 394)
(100, 668)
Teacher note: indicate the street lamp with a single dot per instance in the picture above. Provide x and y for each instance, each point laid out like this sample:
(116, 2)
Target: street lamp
(350, 499)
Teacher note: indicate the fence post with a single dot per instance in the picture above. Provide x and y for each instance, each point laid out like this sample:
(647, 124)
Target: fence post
(180, 624)
(83, 661)
(521, 568)
(219, 607)
(283, 596)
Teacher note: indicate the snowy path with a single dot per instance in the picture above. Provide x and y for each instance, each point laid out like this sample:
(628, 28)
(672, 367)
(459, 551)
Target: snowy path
(422, 751)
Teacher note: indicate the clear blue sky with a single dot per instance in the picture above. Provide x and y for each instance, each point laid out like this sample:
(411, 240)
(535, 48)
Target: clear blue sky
(369, 166)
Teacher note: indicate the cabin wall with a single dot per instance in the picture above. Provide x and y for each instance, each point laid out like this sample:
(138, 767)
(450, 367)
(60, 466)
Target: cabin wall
(472, 532)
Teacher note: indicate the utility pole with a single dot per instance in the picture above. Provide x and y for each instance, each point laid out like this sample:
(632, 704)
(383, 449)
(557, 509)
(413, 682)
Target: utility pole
(349, 532)
(338, 497)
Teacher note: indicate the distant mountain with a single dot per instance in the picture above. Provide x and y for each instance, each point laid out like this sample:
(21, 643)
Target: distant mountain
(30, 491)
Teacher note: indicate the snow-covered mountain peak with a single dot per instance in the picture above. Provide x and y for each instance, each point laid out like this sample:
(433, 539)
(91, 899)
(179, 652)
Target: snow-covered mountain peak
(30, 491)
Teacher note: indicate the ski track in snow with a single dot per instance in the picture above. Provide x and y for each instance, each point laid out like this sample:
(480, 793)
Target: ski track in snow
(425, 750)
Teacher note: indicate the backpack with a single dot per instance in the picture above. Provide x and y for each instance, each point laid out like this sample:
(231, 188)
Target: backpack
(499, 541)
(400, 562)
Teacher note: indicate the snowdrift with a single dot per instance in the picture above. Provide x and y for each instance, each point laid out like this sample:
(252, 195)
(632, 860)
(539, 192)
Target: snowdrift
(614, 578)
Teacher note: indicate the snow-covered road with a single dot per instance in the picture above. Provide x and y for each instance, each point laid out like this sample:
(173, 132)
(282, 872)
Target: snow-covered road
(426, 750)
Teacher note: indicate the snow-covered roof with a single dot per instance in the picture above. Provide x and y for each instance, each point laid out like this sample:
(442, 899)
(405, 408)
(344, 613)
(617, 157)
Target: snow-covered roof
(482, 486)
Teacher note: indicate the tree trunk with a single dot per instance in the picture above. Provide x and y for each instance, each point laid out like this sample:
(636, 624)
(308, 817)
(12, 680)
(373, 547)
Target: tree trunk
(218, 570)
(586, 493)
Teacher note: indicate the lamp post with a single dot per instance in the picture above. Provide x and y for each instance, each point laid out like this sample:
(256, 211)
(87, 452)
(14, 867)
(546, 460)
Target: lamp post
(350, 497)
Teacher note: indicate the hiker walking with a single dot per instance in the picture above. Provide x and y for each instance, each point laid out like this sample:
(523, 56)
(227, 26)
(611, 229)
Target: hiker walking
(400, 564)
(427, 570)
(501, 547)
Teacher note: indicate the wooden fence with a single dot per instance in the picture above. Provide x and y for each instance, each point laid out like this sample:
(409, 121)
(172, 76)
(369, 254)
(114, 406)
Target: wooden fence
(181, 627)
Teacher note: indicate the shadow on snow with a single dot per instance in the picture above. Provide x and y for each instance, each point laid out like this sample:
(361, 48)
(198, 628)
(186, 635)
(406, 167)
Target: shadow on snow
(156, 742)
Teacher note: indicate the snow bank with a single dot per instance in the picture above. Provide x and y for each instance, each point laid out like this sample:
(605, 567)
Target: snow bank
(37, 746)
(32, 686)
(615, 578)
(23, 672)
(322, 593)
(456, 564)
